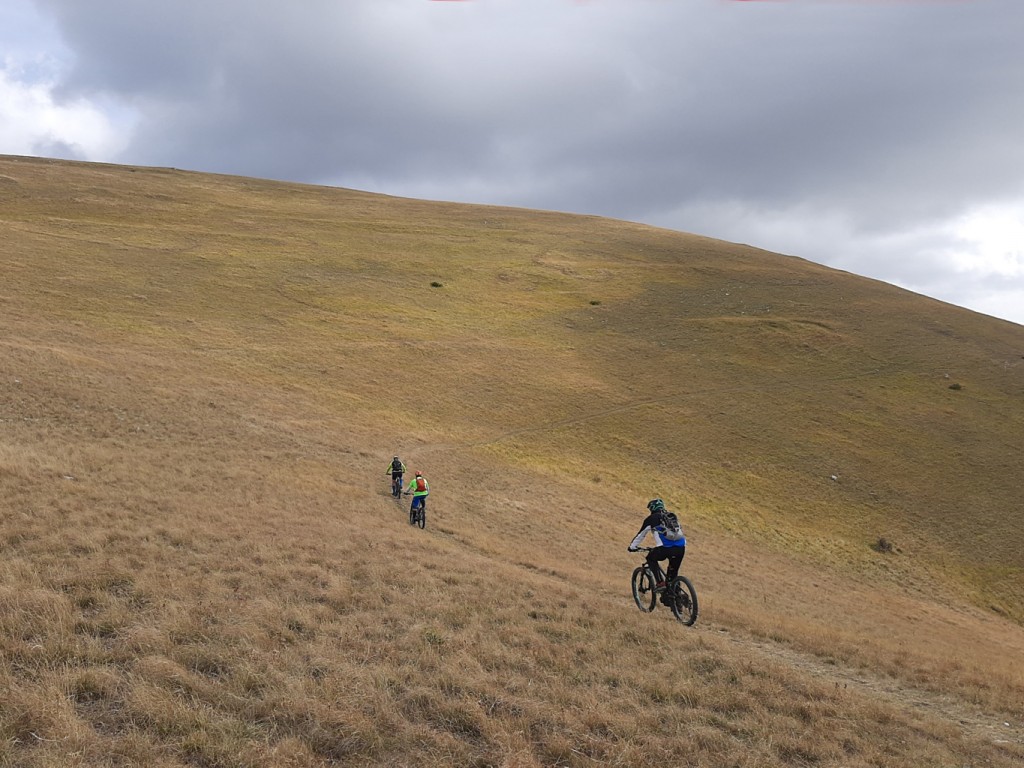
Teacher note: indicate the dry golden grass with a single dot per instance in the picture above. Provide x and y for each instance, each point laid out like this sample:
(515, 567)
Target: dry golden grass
(202, 378)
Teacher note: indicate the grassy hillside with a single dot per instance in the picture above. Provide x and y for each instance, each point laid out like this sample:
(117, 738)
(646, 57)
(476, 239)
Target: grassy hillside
(202, 379)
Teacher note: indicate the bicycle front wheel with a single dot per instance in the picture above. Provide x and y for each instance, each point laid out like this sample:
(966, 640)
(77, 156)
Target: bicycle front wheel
(643, 589)
(683, 601)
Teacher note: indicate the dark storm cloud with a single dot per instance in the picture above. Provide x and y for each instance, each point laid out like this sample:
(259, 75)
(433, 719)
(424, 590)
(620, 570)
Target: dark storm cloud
(629, 110)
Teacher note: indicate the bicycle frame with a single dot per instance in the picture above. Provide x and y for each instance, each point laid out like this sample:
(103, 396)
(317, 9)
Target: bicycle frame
(679, 595)
(418, 512)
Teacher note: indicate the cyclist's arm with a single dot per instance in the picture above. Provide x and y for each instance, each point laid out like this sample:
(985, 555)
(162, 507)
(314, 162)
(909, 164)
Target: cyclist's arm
(638, 539)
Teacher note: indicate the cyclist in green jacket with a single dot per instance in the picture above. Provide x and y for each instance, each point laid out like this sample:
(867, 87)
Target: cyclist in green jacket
(420, 489)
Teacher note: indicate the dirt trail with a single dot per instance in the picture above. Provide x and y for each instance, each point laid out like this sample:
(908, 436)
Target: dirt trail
(973, 721)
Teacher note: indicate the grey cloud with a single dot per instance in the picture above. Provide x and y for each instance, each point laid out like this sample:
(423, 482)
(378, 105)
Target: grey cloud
(57, 148)
(669, 102)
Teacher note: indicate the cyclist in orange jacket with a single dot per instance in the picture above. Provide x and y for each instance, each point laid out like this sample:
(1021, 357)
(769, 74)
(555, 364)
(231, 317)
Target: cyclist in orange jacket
(420, 489)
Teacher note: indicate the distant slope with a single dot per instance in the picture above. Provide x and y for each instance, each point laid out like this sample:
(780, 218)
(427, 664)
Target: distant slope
(202, 379)
(733, 381)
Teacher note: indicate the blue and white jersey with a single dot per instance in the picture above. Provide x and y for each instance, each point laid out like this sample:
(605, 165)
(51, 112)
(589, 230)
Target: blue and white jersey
(654, 525)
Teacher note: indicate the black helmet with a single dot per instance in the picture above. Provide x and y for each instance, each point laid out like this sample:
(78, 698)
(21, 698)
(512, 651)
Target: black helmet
(656, 505)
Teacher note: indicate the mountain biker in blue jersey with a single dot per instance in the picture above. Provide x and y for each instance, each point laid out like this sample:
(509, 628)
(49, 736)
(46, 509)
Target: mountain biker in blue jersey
(420, 489)
(669, 541)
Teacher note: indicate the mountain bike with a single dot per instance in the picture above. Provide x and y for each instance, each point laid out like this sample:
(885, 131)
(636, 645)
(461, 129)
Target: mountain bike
(679, 595)
(418, 514)
(396, 486)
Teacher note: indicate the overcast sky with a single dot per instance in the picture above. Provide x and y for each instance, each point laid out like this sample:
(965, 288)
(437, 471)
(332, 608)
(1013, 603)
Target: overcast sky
(882, 137)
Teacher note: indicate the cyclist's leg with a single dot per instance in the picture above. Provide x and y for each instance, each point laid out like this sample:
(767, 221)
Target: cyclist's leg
(664, 579)
(675, 559)
(653, 557)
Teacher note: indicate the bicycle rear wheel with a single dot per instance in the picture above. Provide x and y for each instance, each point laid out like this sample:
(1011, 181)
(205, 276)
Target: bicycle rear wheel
(683, 601)
(643, 589)
(421, 515)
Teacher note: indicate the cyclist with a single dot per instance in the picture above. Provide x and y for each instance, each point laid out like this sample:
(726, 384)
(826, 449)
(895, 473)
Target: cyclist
(420, 489)
(396, 469)
(669, 542)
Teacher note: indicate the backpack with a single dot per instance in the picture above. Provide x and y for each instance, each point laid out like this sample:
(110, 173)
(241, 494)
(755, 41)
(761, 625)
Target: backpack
(396, 465)
(421, 484)
(672, 530)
